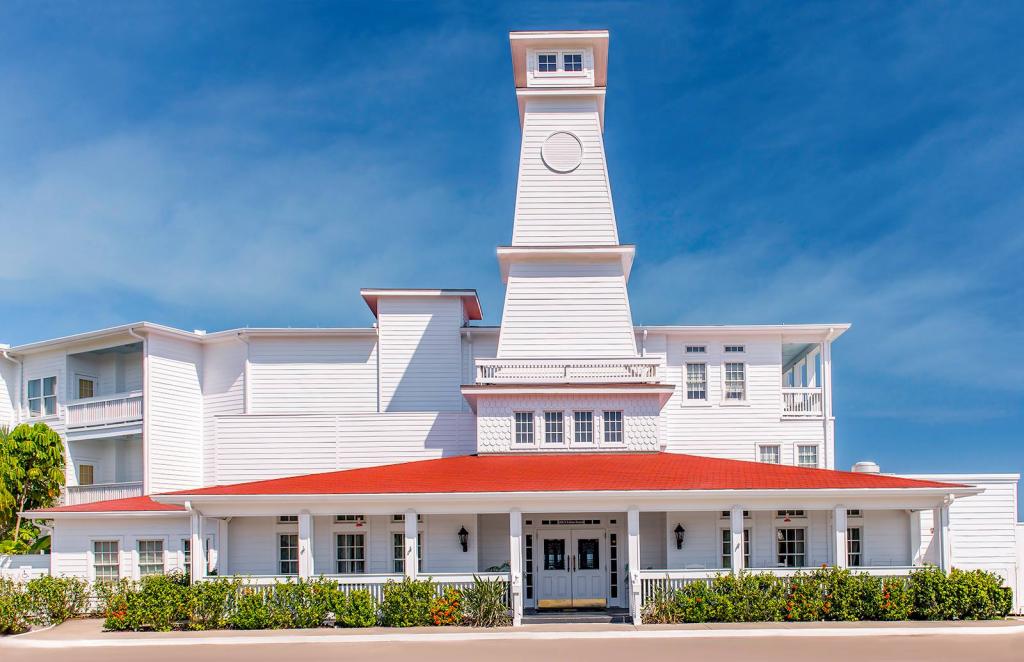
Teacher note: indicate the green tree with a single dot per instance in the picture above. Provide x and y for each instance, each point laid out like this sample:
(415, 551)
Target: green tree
(31, 475)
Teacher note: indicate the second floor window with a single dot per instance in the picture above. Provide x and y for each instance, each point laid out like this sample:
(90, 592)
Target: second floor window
(613, 427)
(735, 381)
(547, 62)
(583, 422)
(769, 453)
(696, 381)
(42, 396)
(807, 456)
(573, 61)
(524, 427)
(554, 427)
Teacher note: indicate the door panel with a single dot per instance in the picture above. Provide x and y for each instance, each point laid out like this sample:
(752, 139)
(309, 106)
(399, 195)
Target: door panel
(572, 569)
(588, 580)
(555, 585)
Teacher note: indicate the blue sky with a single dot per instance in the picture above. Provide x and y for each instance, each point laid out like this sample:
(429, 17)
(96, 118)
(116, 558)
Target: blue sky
(211, 165)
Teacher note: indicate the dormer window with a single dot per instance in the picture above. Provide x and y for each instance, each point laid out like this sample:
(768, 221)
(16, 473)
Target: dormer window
(572, 61)
(547, 62)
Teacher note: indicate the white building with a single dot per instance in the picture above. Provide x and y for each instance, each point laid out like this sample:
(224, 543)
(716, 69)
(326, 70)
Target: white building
(583, 457)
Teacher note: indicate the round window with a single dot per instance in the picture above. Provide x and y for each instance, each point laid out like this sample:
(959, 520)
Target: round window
(562, 152)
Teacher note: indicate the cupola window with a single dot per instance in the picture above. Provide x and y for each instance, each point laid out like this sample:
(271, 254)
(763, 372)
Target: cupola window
(547, 62)
(572, 61)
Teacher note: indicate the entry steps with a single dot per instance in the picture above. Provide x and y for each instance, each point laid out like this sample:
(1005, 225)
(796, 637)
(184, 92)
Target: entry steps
(558, 616)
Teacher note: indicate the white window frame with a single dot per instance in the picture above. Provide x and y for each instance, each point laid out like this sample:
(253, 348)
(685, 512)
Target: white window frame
(726, 400)
(803, 547)
(338, 561)
(798, 454)
(400, 519)
(760, 453)
(80, 377)
(578, 427)
(524, 426)
(859, 554)
(558, 420)
(281, 560)
(138, 556)
(734, 349)
(350, 519)
(42, 398)
(687, 400)
(560, 71)
(621, 422)
(553, 54)
(84, 462)
(288, 519)
(574, 72)
(695, 349)
(791, 514)
(118, 546)
(398, 545)
(726, 559)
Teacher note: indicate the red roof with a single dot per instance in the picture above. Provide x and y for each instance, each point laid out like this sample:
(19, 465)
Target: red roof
(566, 473)
(131, 505)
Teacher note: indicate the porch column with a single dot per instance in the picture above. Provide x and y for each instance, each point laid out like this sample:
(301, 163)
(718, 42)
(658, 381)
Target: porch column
(198, 548)
(736, 538)
(839, 537)
(915, 537)
(222, 547)
(411, 536)
(305, 545)
(633, 562)
(940, 535)
(515, 554)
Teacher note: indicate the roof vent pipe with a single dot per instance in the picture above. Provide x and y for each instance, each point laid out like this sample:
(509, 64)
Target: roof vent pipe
(866, 467)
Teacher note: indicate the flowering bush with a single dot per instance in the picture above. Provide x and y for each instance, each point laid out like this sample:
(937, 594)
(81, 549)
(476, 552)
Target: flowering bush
(446, 609)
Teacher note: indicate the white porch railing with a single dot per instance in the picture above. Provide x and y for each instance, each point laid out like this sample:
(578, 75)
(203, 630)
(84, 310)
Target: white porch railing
(104, 410)
(653, 582)
(78, 494)
(561, 371)
(801, 402)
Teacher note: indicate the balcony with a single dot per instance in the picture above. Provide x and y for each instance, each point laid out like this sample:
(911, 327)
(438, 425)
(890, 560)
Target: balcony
(801, 402)
(104, 411)
(576, 371)
(78, 494)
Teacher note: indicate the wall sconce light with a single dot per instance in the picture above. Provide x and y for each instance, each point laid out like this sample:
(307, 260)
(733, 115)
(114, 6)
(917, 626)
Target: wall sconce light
(464, 539)
(680, 535)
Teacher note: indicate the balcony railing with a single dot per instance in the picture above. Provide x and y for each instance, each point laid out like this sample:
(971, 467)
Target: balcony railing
(801, 402)
(104, 410)
(74, 495)
(559, 371)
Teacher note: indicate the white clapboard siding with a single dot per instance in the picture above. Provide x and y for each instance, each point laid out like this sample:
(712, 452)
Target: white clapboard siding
(8, 392)
(72, 545)
(175, 425)
(886, 537)
(420, 353)
(715, 429)
(40, 366)
(479, 345)
(566, 310)
(493, 548)
(313, 374)
(653, 536)
(223, 394)
(561, 209)
(258, 447)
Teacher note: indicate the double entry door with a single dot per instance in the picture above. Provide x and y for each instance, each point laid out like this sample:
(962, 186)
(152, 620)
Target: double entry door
(571, 572)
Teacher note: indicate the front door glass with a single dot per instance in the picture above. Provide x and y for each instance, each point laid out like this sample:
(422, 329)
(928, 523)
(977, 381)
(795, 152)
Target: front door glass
(554, 554)
(589, 554)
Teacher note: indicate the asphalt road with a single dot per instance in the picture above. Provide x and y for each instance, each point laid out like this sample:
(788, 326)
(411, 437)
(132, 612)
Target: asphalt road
(993, 648)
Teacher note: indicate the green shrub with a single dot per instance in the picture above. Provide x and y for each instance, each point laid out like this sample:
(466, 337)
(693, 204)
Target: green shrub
(14, 607)
(977, 595)
(56, 599)
(210, 603)
(660, 607)
(893, 601)
(757, 597)
(695, 602)
(255, 610)
(931, 594)
(446, 609)
(119, 605)
(306, 602)
(484, 604)
(357, 609)
(407, 603)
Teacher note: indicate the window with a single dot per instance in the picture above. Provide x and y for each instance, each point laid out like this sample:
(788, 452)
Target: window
(782, 514)
(288, 553)
(727, 548)
(735, 349)
(524, 427)
(401, 518)
(572, 61)
(86, 474)
(854, 512)
(528, 570)
(696, 349)
(854, 546)
(398, 547)
(769, 454)
(789, 548)
(696, 381)
(807, 456)
(105, 561)
(351, 553)
(554, 427)
(726, 514)
(151, 557)
(583, 423)
(42, 396)
(341, 519)
(613, 427)
(287, 519)
(613, 565)
(186, 554)
(86, 387)
(547, 62)
(735, 381)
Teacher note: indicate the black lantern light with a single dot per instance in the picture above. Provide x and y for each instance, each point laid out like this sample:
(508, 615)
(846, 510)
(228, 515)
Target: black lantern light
(464, 539)
(680, 534)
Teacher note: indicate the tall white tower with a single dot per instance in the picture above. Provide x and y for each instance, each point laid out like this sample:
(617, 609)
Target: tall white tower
(565, 271)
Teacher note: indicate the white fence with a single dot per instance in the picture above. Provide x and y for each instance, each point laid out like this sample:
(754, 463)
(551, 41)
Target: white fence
(24, 567)
(583, 371)
(78, 494)
(801, 402)
(104, 410)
